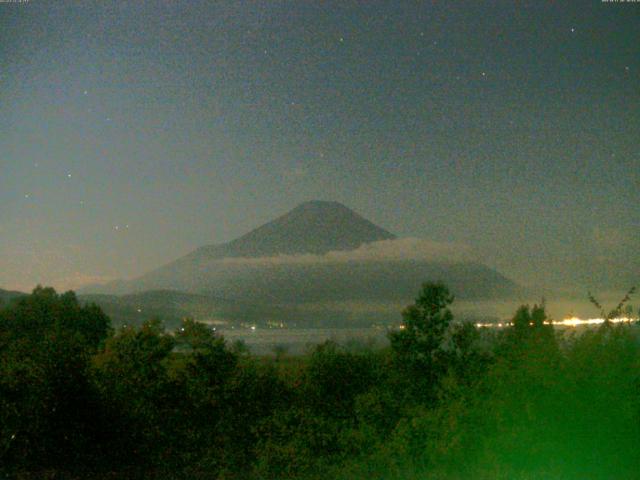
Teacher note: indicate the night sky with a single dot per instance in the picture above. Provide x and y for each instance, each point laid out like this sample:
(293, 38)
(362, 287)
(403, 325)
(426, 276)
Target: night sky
(135, 131)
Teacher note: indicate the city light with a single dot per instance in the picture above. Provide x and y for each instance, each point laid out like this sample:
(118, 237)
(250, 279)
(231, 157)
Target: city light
(567, 322)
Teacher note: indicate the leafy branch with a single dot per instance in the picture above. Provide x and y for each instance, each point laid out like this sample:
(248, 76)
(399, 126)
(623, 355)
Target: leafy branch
(617, 311)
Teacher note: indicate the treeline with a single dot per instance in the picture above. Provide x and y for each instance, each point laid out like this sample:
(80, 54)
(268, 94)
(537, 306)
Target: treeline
(444, 401)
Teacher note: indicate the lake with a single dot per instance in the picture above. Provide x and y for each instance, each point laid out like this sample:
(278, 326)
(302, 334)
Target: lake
(295, 341)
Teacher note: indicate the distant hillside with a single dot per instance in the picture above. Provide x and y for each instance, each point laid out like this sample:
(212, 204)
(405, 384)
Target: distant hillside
(7, 295)
(313, 282)
(171, 307)
(393, 281)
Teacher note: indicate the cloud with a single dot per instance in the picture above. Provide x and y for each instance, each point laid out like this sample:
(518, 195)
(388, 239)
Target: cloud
(385, 250)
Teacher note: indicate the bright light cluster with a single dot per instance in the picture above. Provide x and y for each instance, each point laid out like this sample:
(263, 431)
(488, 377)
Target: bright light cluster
(567, 322)
(575, 321)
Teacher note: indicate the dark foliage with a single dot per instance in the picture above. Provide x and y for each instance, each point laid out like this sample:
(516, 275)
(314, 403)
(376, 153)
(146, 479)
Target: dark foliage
(445, 400)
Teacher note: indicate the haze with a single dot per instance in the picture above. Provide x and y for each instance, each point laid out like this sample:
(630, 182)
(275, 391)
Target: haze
(136, 132)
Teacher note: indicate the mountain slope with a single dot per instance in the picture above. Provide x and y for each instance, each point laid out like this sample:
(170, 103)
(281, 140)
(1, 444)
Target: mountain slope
(292, 260)
(6, 295)
(171, 307)
(314, 227)
(168, 305)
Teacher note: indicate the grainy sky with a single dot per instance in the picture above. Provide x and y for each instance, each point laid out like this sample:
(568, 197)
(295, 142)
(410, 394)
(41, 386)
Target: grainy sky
(136, 131)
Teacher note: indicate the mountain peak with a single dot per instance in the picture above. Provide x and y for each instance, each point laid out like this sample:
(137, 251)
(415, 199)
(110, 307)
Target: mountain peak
(320, 205)
(323, 212)
(313, 227)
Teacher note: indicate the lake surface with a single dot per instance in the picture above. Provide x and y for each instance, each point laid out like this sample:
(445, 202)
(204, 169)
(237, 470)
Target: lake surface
(295, 341)
(263, 340)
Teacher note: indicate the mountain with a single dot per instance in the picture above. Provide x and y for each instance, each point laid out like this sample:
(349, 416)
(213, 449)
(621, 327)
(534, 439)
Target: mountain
(168, 305)
(318, 253)
(172, 306)
(7, 295)
(314, 227)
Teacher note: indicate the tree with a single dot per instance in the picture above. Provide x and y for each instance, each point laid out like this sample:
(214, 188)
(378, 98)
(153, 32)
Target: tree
(615, 312)
(47, 402)
(208, 362)
(280, 351)
(468, 362)
(530, 336)
(35, 316)
(334, 377)
(417, 346)
(140, 398)
(528, 321)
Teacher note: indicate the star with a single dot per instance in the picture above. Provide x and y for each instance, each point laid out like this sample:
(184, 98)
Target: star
(573, 30)
(341, 39)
